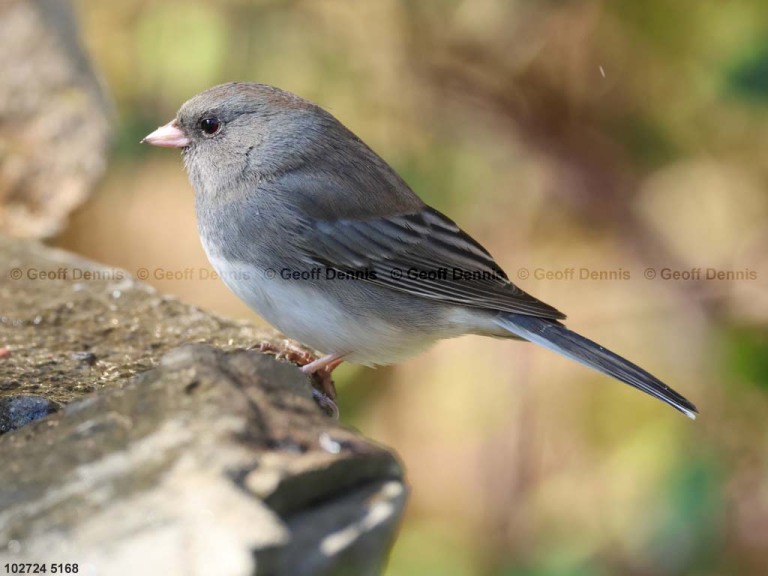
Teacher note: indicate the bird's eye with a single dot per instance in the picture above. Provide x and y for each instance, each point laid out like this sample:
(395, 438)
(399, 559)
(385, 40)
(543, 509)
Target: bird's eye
(210, 125)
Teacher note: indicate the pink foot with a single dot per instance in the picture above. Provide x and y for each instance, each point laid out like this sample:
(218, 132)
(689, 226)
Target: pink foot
(319, 369)
(289, 350)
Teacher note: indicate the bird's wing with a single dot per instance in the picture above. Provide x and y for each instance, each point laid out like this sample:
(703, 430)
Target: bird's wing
(422, 253)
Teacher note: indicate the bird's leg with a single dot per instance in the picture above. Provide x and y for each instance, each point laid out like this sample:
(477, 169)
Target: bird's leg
(324, 390)
(327, 363)
(319, 369)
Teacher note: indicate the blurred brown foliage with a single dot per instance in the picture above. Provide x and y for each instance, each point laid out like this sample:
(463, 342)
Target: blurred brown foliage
(624, 138)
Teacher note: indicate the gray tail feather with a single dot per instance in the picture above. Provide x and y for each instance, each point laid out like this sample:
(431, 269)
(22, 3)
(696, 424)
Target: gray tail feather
(556, 337)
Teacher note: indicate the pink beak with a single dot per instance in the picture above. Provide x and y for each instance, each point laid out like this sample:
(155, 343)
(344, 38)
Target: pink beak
(168, 136)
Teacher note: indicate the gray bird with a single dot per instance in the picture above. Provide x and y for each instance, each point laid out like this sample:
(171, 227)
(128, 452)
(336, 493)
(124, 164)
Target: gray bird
(319, 235)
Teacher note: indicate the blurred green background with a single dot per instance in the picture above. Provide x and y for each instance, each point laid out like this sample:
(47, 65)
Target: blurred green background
(607, 136)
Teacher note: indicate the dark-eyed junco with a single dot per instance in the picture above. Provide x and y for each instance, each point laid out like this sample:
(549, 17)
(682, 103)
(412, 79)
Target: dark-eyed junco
(326, 242)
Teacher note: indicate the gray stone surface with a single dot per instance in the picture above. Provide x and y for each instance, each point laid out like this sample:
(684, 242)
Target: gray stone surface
(172, 458)
(18, 411)
(71, 327)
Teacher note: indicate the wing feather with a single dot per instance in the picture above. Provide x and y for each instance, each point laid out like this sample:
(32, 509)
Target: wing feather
(403, 249)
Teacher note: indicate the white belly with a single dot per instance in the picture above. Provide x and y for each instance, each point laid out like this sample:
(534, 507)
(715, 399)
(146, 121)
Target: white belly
(319, 321)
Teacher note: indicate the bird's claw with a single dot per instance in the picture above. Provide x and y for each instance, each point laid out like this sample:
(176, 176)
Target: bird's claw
(323, 387)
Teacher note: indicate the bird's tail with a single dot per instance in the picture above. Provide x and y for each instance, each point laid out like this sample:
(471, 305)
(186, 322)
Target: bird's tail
(553, 335)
